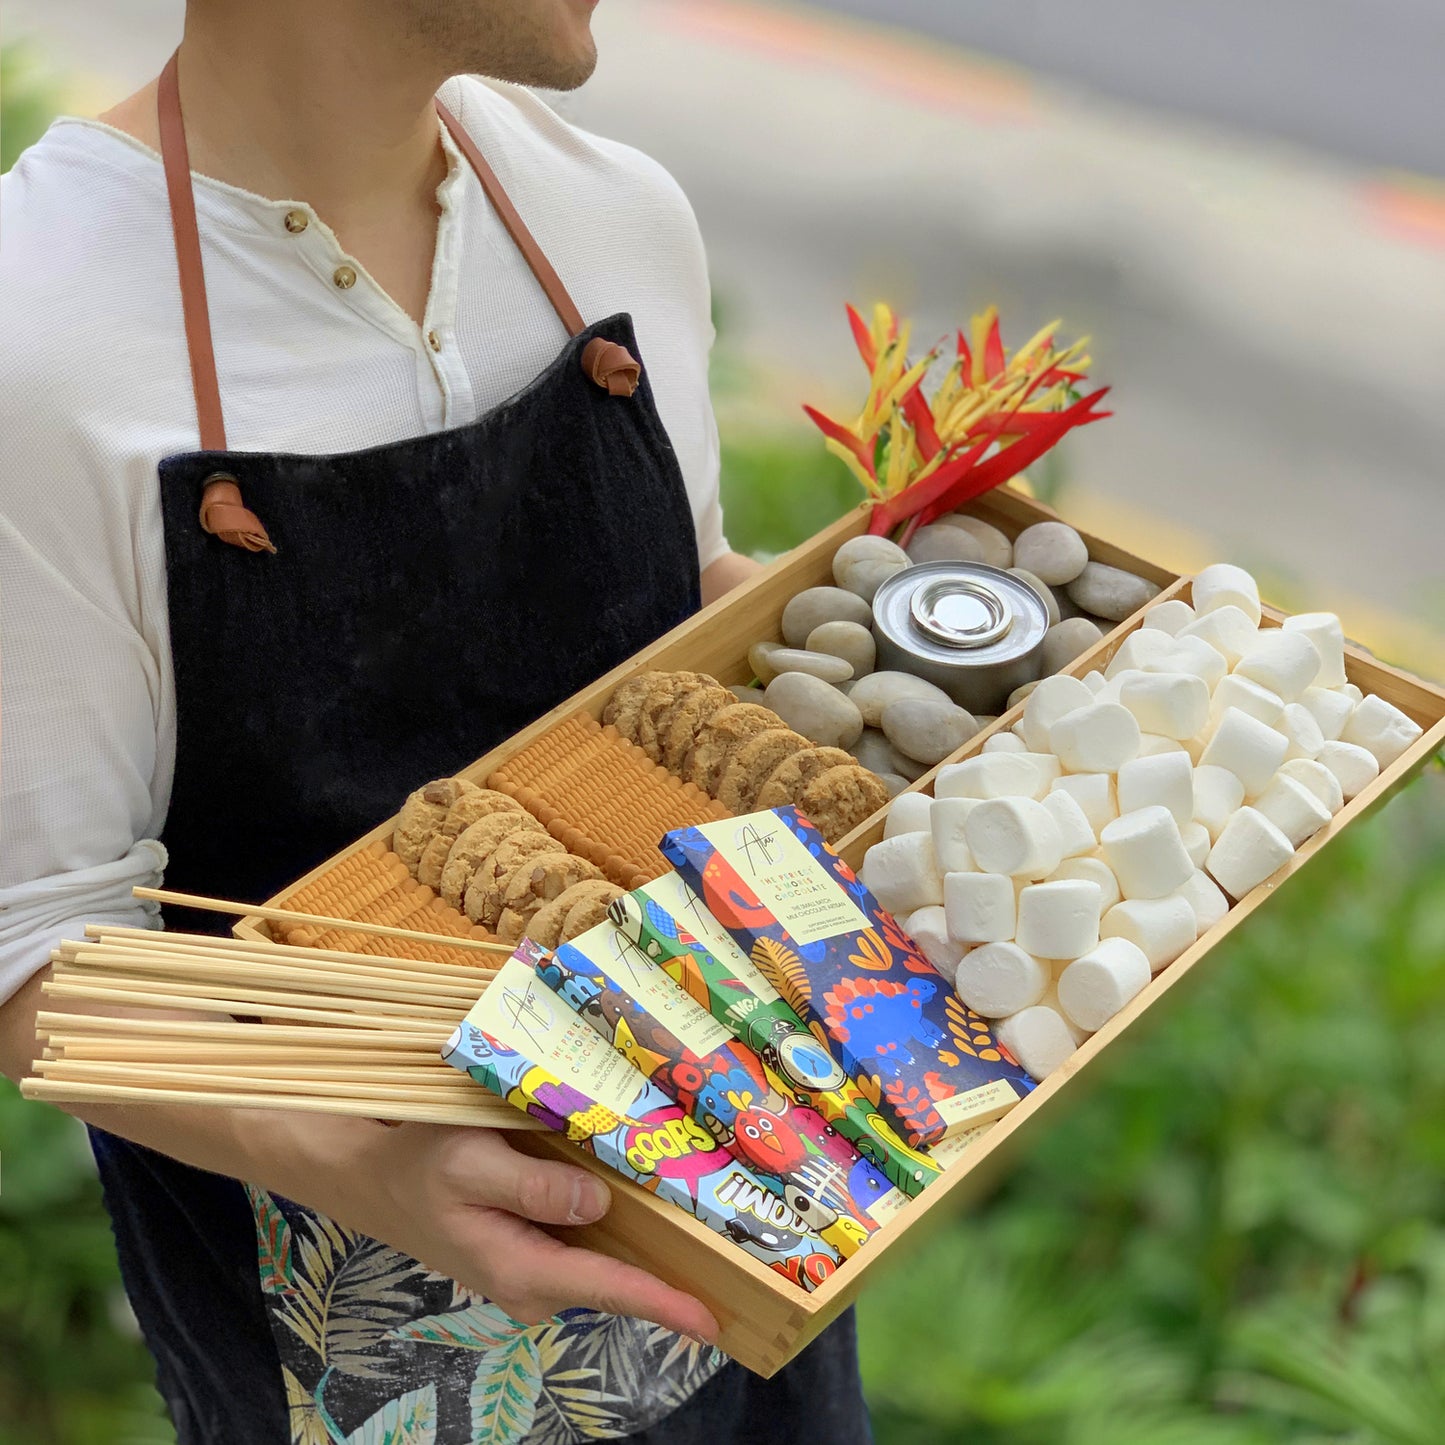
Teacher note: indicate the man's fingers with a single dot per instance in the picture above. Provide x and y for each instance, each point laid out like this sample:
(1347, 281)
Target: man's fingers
(494, 1174)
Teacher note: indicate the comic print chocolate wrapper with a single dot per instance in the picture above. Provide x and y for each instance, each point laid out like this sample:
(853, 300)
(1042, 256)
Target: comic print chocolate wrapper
(667, 921)
(525, 1044)
(802, 916)
(722, 1085)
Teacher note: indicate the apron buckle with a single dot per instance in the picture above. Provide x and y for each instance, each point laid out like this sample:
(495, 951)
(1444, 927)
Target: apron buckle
(224, 515)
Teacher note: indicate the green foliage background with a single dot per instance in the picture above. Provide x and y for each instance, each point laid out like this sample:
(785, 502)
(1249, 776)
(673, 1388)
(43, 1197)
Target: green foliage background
(1237, 1236)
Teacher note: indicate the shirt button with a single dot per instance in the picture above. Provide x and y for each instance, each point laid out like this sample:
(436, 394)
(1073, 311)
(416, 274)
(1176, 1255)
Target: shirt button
(344, 277)
(297, 221)
(434, 341)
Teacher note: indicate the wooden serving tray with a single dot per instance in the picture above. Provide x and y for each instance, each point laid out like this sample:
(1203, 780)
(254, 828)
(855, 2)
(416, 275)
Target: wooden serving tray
(765, 1318)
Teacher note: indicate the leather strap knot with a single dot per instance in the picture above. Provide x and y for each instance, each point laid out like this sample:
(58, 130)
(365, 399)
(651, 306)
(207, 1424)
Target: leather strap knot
(612, 366)
(224, 515)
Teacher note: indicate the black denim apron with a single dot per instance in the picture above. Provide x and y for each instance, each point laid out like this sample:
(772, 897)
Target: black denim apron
(424, 600)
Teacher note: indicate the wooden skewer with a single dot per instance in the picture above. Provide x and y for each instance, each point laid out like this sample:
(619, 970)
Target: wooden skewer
(418, 1074)
(182, 1051)
(411, 1036)
(287, 915)
(142, 1076)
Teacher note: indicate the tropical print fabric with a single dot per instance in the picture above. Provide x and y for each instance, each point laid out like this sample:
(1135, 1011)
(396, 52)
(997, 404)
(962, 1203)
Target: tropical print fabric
(376, 1349)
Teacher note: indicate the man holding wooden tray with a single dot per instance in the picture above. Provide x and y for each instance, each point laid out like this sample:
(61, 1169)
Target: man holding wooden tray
(327, 463)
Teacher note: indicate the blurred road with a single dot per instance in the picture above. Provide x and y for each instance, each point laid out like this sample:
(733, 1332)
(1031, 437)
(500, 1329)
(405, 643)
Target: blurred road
(1270, 318)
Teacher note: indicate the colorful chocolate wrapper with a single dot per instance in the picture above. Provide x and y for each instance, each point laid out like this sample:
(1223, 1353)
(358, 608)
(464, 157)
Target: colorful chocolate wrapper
(802, 916)
(668, 922)
(722, 1085)
(527, 1045)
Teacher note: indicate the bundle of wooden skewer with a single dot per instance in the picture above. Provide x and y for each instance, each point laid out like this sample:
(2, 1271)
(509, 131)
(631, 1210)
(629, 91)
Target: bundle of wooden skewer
(270, 1026)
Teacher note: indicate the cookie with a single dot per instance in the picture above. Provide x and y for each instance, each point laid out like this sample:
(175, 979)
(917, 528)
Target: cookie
(474, 846)
(470, 808)
(537, 884)
(661, 698)
(840, 798)
(547, 923)
(787, 781)
(421, 815)
(723, 733)
(678, 732)
(753, 764)
(624, 707)
(484, 899)
(589, 911)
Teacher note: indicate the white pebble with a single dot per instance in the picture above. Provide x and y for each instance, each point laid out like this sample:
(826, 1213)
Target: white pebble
(1293, 809)
(1224, 585)
(1217, 796)
(895, 783)
(1046, 593)
(1095, 739)
(1250, 749)
(998, 775)
(1354, 767)
(1169, 616)
(1330, 709)
(995, 548)
(927, 730)
(980, 907)
(1059, 919)
(1190, 654)
(1075, 829)
(1146, 853)
(1328, 636)
(1284, 662)
(1202, 894)
(928, 928)
(1317, 778)
(1110, 592)
(847, 640)
(1172, 704)
(1381, 728)
(862, 564)
(1039, 1039)
(1067, 641)
(1236, 691)
(999, 979)
(1140, 646)
(1248, 850)
(1050, 700)
(1094, 793)
(1004, 742)
(944, 544)
(908, 813)
(902, 873)
(814, 606)
(1016, 836)
(871, 694)
(1091, 869)
(1161, 928)
(879, 756)
(1298, 725)
(950, 846)
(1226, 629)
(1095, 986)
(1165, 780)
(1052, 551)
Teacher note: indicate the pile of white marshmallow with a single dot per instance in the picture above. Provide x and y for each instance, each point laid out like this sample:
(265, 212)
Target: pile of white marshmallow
(1072, 858)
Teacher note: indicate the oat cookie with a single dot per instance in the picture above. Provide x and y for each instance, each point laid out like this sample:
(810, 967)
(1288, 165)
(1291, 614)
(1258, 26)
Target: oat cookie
(753, 763)
(624, 707)
(589, 910)
(792, 775)
(723, 733)
(536, 884)
(679, 731)
(484, 898)
(470, 808)
(546, 924)
(474, 846)
(661, 698)
(840, 798)
(421, 815)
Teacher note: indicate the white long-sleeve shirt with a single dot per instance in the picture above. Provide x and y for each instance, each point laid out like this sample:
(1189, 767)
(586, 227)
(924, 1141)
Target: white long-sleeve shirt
(95, 390)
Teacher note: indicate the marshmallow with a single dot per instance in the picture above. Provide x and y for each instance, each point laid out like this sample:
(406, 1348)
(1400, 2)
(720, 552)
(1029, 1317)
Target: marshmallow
(908, 813)
(1094, 681)
(1324, 630)
(1165, 780)
(1169, 616)
(950, 846)
(999, 979)
(1094, 987)
(1352, 692)
(902, 873)
(1202, 894)
(1151, 745)
(1190, 654)
(1016, 836)
(1217, 793)
(1038, 1038)
(1196, 840)
(1293, 809)
(997, 775)
(1075, 829)
(1300, 729)
(1226, 629)
(1146, 852)
(1162, 928)
(1236, 691)
(1091, 870)
(1137, 648)
(1051, 1000)
(1095, 739)
(1046, 704)
(1004, 742)
(980, 907)
(1380, 728)
(1172, 704)
(1248, 850)
(1354, 767)
(1330, 709)
(1223, 585)
(1059, 919)
(1317, 778)
(1250, 749)
(1094, 793)
(1284, 662)
(928, 928)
